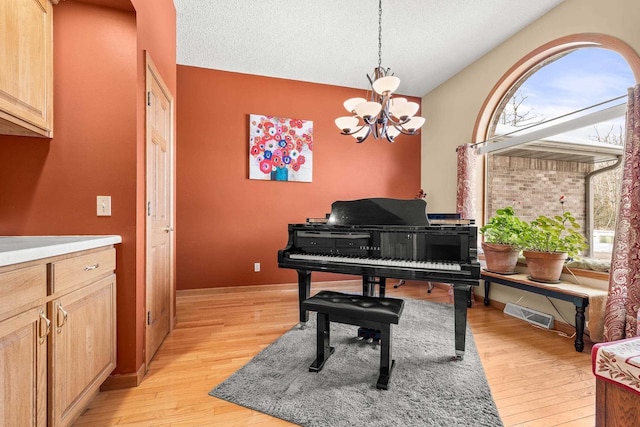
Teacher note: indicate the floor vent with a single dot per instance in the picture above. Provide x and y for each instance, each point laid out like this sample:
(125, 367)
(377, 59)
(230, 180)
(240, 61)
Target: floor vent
(543, 320)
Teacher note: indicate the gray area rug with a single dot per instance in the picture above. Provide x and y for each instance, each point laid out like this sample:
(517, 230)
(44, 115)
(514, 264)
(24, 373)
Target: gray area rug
(427, 388)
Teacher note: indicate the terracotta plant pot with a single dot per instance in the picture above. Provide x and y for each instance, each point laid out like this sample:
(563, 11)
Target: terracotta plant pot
(545, 266)
(500, 259)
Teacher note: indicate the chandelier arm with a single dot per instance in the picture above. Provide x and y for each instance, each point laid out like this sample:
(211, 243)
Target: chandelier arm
(342, 132)
(406, 132)
(371, 121)
(379, 129)
(390, 119)
(361, 138)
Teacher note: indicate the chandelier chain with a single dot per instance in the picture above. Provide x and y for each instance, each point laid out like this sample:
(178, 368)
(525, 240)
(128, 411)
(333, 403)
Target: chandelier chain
(380, 34)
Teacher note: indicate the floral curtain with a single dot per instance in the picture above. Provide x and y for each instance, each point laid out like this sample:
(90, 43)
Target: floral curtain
(465, 194)
(621, 313)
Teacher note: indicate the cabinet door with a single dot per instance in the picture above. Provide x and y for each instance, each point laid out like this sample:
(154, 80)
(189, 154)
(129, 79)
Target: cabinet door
(26, 68)
(23, 364)
(82, 347)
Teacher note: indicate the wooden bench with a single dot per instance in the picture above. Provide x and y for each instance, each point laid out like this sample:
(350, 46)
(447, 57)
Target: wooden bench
(579, 295)
(365, 311)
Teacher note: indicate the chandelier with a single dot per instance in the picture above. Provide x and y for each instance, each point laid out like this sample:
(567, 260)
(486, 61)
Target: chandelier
(382, 115)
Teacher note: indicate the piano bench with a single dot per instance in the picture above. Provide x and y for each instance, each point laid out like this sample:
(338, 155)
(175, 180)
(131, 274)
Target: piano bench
(365, 311)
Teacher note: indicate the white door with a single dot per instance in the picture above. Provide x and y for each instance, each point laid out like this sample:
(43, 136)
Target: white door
(159, 153)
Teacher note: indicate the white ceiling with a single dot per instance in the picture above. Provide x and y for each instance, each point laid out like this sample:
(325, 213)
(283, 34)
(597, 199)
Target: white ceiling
(424, 42)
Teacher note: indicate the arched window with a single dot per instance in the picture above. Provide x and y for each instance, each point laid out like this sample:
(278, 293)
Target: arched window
(538, 160)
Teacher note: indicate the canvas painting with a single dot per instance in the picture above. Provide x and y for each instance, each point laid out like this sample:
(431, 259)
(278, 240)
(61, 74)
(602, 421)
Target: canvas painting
(280, 149)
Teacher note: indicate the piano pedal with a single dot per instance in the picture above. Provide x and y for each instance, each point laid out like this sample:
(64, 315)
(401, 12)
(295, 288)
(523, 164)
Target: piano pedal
(372, 336)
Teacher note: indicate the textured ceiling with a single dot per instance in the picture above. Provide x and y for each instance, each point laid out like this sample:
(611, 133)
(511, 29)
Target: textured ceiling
(424, 42)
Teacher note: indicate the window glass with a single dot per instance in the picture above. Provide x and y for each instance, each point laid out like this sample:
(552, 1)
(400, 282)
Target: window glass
(533, 180)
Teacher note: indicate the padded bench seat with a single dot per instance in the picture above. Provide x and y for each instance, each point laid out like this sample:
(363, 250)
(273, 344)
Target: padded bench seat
(362, 307)
(365, 311)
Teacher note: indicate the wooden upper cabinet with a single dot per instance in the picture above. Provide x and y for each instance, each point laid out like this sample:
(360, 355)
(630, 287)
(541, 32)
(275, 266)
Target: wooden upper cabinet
(26, 67)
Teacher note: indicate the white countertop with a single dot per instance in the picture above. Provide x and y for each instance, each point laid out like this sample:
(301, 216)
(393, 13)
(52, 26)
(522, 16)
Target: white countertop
(17, 249)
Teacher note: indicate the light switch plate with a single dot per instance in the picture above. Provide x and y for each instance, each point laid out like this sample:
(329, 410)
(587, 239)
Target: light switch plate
(104, 205)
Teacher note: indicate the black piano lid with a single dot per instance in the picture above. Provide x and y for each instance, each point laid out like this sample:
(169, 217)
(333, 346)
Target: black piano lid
(379, 211)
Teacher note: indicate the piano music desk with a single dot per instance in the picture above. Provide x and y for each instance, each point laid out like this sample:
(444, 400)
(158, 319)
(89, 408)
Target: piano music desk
(579, 295)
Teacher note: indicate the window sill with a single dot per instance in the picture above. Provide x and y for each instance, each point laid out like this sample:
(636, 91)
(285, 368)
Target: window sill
(573, 269)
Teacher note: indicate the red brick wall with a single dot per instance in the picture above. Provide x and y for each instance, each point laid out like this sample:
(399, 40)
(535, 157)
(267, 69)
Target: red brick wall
(533, 187)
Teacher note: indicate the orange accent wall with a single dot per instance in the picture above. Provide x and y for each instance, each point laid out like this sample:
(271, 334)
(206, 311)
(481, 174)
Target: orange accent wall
(49, 187)
(227, 222)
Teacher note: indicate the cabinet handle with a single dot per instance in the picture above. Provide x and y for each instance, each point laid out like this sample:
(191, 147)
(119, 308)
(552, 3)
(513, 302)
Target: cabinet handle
(91, 267)
(45, 327)
(62, 311)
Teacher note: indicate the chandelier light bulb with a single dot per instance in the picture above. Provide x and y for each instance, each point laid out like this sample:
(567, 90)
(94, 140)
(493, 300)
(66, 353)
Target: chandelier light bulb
(392, 132)
(362, 134)
(368, 110)
(403, 110)
(350, 104)
(414, 124)
(386, 85)
(347, 123)
(397, 101)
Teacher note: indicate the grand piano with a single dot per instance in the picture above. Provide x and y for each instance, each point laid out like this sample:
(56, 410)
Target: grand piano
(380, 238)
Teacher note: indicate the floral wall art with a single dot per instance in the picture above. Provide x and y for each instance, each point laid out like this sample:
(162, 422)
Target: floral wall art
(280, 149)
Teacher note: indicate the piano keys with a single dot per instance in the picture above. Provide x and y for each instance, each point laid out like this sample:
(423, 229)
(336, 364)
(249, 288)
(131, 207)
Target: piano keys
(444, 253)
(400, 263)
(386, 238)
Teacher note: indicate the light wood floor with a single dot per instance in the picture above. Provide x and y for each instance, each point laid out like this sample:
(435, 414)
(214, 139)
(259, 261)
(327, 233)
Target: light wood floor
(536, 376)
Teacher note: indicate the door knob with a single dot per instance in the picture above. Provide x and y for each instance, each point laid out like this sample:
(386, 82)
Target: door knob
(168, 228)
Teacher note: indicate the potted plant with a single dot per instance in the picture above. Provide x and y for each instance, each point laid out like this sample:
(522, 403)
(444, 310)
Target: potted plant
(548, 242)
(503, 240)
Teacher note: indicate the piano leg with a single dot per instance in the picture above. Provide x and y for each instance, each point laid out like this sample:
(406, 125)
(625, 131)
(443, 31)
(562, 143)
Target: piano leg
(304, 290)
(369, 286)
(460, 299)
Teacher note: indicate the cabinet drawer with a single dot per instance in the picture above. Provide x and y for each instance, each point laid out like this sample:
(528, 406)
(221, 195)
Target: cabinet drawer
(68, 273)
(22, 288)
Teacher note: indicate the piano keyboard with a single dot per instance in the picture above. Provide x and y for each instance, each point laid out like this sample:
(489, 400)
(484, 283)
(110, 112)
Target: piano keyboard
(426, 265)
